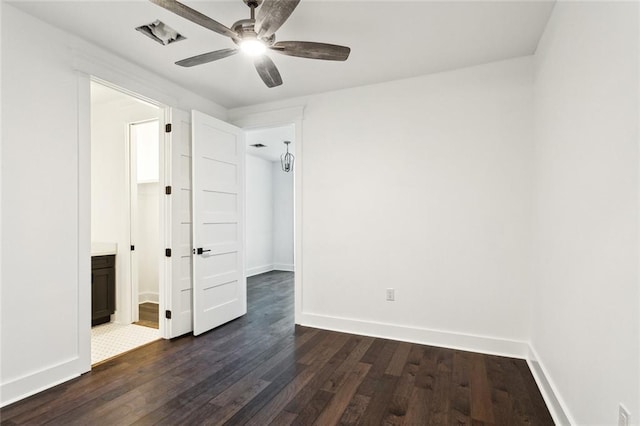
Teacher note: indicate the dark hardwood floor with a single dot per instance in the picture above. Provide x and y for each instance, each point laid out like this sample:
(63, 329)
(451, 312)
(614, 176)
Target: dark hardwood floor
(148, 315)
(261, 370)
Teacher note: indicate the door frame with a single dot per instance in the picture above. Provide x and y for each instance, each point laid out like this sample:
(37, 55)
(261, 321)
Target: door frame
(278, 118)
(129, 301)
(128, 79)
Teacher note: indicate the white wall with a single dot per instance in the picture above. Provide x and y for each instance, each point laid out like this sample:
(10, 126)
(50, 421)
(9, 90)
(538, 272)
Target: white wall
(45, 196)
(282, 218)
(423, 185)
(110, 188)
(259, 226)
(148, 242)
(40, 283)
(585, 318)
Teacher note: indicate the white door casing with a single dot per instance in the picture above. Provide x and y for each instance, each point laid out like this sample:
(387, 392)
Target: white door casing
(219, 283)
(178, 238)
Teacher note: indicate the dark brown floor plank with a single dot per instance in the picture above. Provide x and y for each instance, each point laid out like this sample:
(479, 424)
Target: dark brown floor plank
(481, 404)
(354, 410)
(380, 400)
(399, 359)
(341, 373)
(261, 369)
(330, 361)
(460, 409)
(417, 410)
(380, 355)
(283, 419)
(313, 408)
(400, 399)
(440, 401)
(343, 394)
(274, 409)
(250, 410)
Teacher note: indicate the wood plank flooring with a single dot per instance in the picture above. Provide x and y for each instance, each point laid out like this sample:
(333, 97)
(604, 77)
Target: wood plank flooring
(148, 315)
(261, 369)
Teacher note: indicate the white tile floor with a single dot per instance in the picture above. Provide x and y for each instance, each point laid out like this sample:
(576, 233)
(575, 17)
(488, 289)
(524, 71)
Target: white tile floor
(111, 339)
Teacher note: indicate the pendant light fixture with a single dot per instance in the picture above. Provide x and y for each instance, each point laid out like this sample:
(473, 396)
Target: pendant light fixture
(287, 159)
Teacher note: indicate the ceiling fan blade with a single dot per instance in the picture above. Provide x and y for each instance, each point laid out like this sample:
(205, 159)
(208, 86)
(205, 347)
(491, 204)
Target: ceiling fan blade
(195, 16)
(312, 50)
(268, 71)
(207, 57)
(272, 14)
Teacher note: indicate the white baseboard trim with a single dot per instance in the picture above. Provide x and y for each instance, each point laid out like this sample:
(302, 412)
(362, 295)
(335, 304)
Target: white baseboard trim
(552, 398)
(148, 296)
(283, 267)
(31, 384)
(465, 342)
(258, 270)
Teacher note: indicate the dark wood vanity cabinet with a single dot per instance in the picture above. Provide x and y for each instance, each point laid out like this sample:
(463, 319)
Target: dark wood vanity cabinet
(103, 288)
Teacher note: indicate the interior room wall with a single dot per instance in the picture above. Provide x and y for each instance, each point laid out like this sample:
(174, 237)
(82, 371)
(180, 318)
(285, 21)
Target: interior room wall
(283, 213)
(585, 319)
(148, 242)
(421, 185)
(39, 143)
(43, 179)
(259, 207)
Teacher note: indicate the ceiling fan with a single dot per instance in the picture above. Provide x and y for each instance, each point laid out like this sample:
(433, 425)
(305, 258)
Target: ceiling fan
(255, 36)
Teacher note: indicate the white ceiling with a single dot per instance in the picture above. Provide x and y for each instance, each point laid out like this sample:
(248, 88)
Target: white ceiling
(274, 139)
(390, 40)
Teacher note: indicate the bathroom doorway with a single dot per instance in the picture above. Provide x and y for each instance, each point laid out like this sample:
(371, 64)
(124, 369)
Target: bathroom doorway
(125, 221)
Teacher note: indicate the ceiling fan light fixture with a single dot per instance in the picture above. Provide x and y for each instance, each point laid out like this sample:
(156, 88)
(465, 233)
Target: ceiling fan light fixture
(253, 47)
(255, 35)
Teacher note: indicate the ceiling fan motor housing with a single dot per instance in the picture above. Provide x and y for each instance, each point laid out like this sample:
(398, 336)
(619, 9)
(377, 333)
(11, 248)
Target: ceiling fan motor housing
(253, 3)
(246, 29)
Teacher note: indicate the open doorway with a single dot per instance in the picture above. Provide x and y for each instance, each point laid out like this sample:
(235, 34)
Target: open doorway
(125, 221)
(270, 202)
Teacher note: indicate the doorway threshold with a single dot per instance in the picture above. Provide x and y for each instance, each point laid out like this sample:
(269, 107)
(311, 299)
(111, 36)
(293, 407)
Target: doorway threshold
(112, 339)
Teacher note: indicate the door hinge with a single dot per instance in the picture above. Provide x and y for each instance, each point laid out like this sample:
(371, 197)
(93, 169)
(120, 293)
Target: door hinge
(167, 190)
(167, 252)
(167, 128)
(167, 314)
(133, 248)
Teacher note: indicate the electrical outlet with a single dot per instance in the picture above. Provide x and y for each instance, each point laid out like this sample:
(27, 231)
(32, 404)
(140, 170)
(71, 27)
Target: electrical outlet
(391, 294)
(623, 416)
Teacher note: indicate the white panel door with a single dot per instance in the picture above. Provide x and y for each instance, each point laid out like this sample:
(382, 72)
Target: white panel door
(178, 209)
(219, 283)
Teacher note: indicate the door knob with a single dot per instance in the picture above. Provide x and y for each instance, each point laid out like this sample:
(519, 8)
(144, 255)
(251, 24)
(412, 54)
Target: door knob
(199, 250)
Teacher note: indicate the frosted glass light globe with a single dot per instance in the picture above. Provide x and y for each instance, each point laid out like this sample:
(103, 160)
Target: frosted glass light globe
(253, 47)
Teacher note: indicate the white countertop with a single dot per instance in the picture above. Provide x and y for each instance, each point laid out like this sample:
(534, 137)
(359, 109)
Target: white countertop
(103, 249)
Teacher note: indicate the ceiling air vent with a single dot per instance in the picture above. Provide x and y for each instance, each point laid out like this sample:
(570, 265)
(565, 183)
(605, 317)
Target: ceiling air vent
(259, 145)
(160, 32)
